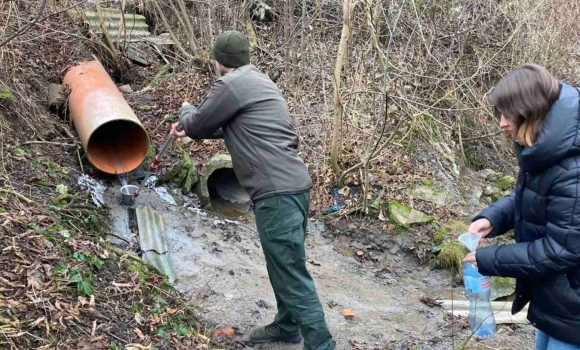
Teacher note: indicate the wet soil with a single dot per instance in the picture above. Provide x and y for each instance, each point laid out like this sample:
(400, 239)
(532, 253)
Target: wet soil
(220, 267)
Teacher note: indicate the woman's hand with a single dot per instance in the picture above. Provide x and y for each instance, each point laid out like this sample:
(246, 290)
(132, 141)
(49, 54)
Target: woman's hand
(481, 227)
(470, 258)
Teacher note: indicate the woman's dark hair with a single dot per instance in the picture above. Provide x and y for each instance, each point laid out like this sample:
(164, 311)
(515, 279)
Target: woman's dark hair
(525, 96)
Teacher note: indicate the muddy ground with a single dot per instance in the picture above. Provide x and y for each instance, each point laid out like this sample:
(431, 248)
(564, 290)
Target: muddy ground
(220, 267)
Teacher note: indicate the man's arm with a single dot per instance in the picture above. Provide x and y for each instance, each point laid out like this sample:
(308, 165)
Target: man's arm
(219, 107)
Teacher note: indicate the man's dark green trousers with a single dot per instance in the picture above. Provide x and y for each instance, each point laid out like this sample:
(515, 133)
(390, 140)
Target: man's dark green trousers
(282, 222)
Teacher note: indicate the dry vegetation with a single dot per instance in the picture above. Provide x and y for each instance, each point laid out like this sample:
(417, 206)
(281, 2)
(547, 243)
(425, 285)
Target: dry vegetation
(397, 87)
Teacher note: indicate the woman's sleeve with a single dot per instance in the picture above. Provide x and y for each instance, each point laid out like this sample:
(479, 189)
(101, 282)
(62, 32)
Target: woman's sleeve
(558, 251)
(501, 215)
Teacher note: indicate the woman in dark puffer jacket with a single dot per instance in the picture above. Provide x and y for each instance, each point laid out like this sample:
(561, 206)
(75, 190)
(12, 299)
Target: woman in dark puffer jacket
(543, 117)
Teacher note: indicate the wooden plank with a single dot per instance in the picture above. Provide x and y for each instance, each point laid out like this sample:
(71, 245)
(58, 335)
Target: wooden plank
(501, 309)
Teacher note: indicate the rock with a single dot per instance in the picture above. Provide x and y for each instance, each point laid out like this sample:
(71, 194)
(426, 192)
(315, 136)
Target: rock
(475, 199)
(489, 175)
(55, 96)
(126, 89)
(506, 183)
(502, 286)
(190, 177)
(429, 194)
(144, 108)
(172, 172)
(491, 190)
(450, 229)
(405, 217)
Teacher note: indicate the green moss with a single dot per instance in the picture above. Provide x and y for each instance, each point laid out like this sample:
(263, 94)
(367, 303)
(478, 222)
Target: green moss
(451, 256)
(5, 95)
(141, 269)
(376, 205)
(502, 282)
(404, 217)
(505, 183)
(428, 182)
(451, 228)
(172, 172)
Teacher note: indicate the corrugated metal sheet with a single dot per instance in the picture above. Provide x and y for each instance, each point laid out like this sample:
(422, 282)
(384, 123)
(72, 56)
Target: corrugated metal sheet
(153, 243)
(136, 28)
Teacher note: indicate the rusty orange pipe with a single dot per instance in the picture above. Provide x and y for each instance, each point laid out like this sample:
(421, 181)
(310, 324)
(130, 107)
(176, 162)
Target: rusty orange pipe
(110, 132)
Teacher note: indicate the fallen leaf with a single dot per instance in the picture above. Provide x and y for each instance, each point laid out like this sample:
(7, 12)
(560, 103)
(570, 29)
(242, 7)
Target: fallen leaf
(138, 319)
(139, 333)
(225, 332)
(347, 313)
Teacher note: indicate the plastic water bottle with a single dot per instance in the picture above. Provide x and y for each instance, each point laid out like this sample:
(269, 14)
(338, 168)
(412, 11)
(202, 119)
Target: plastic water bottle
(478, 290)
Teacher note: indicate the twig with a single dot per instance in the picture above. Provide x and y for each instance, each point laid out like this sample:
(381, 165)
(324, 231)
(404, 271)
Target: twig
(48, 143)
(483, 136)
(26, 28)
(80, 161)
(17, 195)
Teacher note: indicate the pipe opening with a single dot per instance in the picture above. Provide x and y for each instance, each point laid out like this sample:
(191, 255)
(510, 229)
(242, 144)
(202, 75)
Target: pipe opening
(228, 198)
(118, 146)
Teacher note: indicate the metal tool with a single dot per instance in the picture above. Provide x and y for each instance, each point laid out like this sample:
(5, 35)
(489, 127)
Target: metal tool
(157, 160)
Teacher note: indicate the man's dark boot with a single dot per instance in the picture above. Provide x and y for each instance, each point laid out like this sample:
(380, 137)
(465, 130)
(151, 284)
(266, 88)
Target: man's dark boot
(272, 333)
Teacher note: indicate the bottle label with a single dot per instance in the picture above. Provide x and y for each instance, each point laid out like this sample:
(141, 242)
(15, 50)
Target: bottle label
(477, 284)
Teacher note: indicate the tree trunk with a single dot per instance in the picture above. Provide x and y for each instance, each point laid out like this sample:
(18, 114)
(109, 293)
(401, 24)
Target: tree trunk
(287, 26)
(348, 6)
(193, 40)
(168, 27)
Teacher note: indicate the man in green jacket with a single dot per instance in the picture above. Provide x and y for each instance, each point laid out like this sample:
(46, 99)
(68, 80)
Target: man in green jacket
(246, 108)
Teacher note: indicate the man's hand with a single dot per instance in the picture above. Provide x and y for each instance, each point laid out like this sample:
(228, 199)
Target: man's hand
(481, 227)
(470, 258)
(176, 132)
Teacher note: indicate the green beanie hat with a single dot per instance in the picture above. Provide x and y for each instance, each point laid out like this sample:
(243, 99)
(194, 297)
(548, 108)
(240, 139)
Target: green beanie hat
(232, 49)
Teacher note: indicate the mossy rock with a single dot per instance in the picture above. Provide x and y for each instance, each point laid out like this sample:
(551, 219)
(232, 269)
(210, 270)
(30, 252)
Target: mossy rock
(429, 194)
(450, 229)
(506, 183)
(491, 190)
(502, 286)
(172, 172)
(186, 165)
(190, 180)
(405, 217)
(375, 207)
